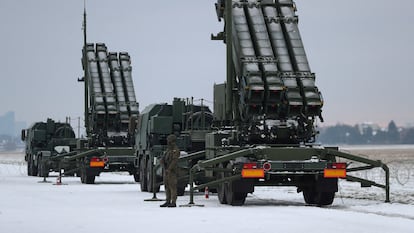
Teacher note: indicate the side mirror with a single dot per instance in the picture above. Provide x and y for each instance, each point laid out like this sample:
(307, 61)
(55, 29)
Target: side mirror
(23, 135)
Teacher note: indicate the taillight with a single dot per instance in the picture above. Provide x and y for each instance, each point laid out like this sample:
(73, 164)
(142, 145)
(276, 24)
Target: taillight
(338, 166)
(96, 159)
(335, 170)
(250, 166)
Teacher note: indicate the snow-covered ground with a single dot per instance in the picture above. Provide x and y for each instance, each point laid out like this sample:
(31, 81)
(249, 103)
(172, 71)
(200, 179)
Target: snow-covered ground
(115, 204)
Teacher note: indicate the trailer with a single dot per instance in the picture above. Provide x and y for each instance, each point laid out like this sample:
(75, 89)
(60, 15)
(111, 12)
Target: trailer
(266, 113)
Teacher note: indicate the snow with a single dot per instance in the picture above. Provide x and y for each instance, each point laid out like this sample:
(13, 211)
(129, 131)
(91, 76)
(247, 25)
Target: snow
(115, 204)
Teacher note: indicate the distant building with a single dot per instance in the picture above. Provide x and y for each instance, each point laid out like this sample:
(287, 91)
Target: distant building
(9, 126)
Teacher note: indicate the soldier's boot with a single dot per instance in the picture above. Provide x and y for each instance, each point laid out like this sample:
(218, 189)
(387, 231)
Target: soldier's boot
(172, 205)
(166, 204)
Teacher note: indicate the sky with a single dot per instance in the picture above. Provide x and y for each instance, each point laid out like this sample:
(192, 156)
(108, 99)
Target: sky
(360, 51)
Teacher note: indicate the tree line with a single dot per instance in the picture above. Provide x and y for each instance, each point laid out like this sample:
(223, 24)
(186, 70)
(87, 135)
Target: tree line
(365, 134)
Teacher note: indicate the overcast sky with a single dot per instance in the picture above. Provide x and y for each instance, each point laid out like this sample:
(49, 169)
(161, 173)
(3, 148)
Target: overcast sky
(361, 51)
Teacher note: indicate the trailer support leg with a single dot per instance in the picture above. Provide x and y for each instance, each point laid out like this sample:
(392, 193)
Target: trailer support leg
(191, 181)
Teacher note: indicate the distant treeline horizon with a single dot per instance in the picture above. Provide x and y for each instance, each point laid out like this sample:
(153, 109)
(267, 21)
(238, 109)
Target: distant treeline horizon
(365, 134)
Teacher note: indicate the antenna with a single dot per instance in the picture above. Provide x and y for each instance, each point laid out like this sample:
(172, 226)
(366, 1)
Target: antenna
(84, 23)
(85, 68)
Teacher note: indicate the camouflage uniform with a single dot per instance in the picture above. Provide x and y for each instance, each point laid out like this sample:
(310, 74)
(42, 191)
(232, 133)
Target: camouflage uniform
(169, 162)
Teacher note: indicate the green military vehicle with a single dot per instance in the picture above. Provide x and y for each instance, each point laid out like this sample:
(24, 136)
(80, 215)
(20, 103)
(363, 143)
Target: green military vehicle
(267, 110)
(111, 111)
(45, 142)
(189, 122)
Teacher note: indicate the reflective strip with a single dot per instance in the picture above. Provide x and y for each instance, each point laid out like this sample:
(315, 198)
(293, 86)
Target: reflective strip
(253, 173)
(97, 164)
(334, 173)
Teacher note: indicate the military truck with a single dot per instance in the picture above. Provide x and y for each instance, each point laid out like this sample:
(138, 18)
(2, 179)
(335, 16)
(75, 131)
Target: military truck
(189, 122)
(266, 112)
(45, 142)
(111, 111)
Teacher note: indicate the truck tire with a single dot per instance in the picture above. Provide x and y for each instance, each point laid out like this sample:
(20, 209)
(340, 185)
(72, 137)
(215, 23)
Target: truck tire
(42, 169)
(326, 198)
(150, 177)
(85, 178)
(309, 195)
(234, 198)
(89, 179)
(313, 197)
(136, 176)
(142, 176)
(221, 189)
(31, 168)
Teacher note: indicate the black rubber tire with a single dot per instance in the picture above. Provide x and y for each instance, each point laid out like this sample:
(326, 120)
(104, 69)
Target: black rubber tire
(85, 179)
(312, 197)
(90, 179)
(42, 170)
(142, 176)
(82, 176)
(136, 176)
(221, 189)
(149, 178)
(29, 167)
(234, 198)
(326, 198)
(309, 195)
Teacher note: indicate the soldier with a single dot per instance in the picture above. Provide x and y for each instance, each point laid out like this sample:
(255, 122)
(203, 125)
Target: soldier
(169, 163)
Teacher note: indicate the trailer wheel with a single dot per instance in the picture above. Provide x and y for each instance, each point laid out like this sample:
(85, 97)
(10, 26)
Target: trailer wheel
(82, 176)
(136, 176)
(90, 179)
(309, 195)
(234, 198)
(42, 169)
(85, 179)
(142, 175)
(150, 177)
(31, 168)
(326, 198)
(221, 190)
(313, 197)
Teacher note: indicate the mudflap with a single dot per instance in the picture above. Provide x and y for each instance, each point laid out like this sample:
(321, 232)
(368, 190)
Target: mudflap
(243, 186)
(326, 184)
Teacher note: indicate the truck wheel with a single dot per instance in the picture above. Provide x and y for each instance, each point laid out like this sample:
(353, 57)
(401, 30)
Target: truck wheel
(309, 195)
(326, 198)
(85, 179)
(136, 175)
(82, 176)
(43, 171)
(34, 169)
(29, 167)
(221, 190)
(89, 179)
(150, 177)
(234, 198)
(142, 176)
(312, 197)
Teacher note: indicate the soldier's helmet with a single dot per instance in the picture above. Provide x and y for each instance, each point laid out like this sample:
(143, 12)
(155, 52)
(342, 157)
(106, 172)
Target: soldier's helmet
(171, 138)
